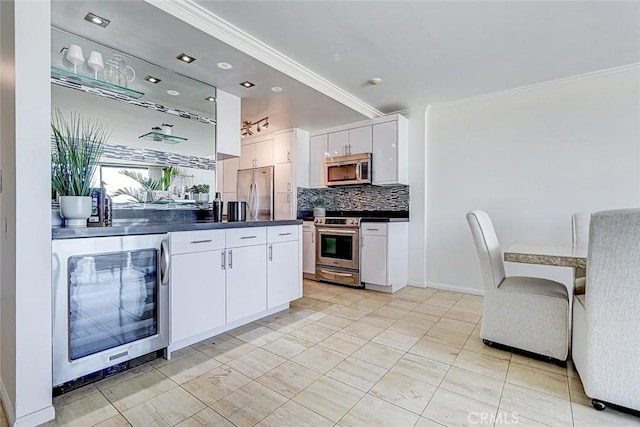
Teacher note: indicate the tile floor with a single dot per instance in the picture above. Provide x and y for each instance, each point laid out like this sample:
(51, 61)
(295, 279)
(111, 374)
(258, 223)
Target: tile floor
(345, 357)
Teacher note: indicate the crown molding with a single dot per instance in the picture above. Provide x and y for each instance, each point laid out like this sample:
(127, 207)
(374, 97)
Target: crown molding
(550, 83)
(202, 19)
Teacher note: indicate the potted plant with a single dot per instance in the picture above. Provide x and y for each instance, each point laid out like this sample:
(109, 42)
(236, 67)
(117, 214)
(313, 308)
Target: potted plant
(78, 145)
(200, 192)
(320, 204)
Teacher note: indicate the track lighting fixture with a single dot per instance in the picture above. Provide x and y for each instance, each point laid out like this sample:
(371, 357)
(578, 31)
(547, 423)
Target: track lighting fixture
(245, 130)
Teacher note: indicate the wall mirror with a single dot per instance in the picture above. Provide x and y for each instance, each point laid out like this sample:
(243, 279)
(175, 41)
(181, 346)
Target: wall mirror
(156, 125)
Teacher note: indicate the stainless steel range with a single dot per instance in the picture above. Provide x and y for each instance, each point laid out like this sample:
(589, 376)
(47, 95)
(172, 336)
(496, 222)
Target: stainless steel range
(338, 250)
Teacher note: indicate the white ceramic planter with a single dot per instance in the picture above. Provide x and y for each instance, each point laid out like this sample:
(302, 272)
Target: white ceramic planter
(319, 212)
(75, 210)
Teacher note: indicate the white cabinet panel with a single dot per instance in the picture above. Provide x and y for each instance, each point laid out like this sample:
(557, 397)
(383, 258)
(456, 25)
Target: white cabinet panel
(373, 254)
(309, 249)
(282, 144)
(246, 281)
(317, 156)
(385, 153)
(228, 197)
(196, 241)
(245, 236)
(282, 233)
(283, 283)
(247, 156)
(220, 176)
(197, 293)
(264, 153)
(230, 179)
(360, 140)
(282, 206)
(283, 177)
(228, 123)
(338, 143)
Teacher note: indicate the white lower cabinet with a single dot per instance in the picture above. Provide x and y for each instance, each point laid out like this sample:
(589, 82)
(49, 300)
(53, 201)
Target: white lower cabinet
(309, 250)
(284, 281)
(246, 282)
(384, 255)
(220, 277)
(197, 282)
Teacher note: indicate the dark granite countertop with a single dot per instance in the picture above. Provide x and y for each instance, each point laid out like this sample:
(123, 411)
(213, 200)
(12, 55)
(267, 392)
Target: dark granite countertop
(139, 227)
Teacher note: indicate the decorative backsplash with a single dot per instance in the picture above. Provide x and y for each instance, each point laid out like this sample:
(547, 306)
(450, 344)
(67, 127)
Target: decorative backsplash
(156, 157)
(356, 198)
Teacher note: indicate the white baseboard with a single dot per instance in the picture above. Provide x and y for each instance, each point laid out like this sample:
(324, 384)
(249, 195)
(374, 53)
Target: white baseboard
(34, 419)
(417, 285)
(455, 288)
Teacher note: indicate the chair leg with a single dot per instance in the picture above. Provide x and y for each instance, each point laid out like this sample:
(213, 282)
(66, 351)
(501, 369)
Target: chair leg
(599, 406)
(487, 342)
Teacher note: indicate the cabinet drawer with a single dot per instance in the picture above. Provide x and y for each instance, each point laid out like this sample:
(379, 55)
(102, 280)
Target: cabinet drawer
(237, 237)
(373, 229)
(283, 233)
(182, 242)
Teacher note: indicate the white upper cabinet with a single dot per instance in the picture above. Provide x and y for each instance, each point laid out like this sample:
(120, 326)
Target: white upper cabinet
(256, 154)
(338, 143)
(317, 156)
(390, 152)
(220, 176)
(282, 146)
(228, 124)
(360, 140)
(283, 178)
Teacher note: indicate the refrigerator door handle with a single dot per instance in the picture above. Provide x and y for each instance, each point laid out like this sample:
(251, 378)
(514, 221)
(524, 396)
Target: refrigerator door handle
(256, 205)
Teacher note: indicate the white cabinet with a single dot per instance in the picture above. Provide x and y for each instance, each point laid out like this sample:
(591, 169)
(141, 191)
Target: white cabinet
(309, 249)
(246, 281)
(197, 290)
(360, 140)
(283, 206)
(257, 154)
(282, 147)
(220, 176)
(230, 177)
(390, 152)
(384, 255)
(283, 192)
(228, 124)
(284, 283)
(338, 143)
(283, 178)
(317, 156)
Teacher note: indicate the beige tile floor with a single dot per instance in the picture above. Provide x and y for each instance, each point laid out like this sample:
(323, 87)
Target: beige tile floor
(345, 357)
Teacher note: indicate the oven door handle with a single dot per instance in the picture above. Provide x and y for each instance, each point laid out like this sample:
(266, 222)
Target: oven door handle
(335, 273)
(331, 230)
(165, 262)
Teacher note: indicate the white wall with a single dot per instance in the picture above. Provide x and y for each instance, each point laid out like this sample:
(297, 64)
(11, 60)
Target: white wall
(417, 209)
(529, 158)
(25, 336)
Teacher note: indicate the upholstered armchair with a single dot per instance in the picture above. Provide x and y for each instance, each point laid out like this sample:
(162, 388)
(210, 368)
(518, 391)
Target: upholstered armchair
(525, 313)
(606, 319)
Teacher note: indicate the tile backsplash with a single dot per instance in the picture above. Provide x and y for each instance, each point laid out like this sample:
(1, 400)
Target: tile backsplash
(356, 198)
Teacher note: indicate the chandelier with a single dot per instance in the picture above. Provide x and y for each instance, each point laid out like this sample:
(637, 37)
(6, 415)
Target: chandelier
(245, 130)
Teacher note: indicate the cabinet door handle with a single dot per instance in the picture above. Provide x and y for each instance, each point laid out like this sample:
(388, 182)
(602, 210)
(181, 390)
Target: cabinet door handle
(313, 237)
(223, 260)
(270, 252)
(335, 273)
(230, 258)
(372, 229)
(288, 156)
(284, 234)
(288, 186)
(201, 241)
(288, 197)
(249, 237)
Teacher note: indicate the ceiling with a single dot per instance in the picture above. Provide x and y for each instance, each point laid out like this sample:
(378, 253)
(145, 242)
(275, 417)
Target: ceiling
(425, 52)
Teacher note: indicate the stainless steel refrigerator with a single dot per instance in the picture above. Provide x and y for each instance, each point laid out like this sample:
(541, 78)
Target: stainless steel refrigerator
(255, 186)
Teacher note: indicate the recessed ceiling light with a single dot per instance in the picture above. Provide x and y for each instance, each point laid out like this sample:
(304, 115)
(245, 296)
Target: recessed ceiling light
(247, 84)
(210, 99)
(95, 19)
(224, 66)
(276, 89)
(186, 58)
(152, 79)
(375, 81)
(173, 92)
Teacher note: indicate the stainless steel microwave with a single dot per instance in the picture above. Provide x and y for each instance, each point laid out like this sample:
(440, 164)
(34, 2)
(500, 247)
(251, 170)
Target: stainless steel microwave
(348, 170)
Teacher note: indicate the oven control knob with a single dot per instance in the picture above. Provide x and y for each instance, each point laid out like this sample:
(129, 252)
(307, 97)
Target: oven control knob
(353, 221)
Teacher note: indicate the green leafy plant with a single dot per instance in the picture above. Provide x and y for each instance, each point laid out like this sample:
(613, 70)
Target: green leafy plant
(79, 143)
(320, 202)
(168, 173)
(137, 194)
(200, 189)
